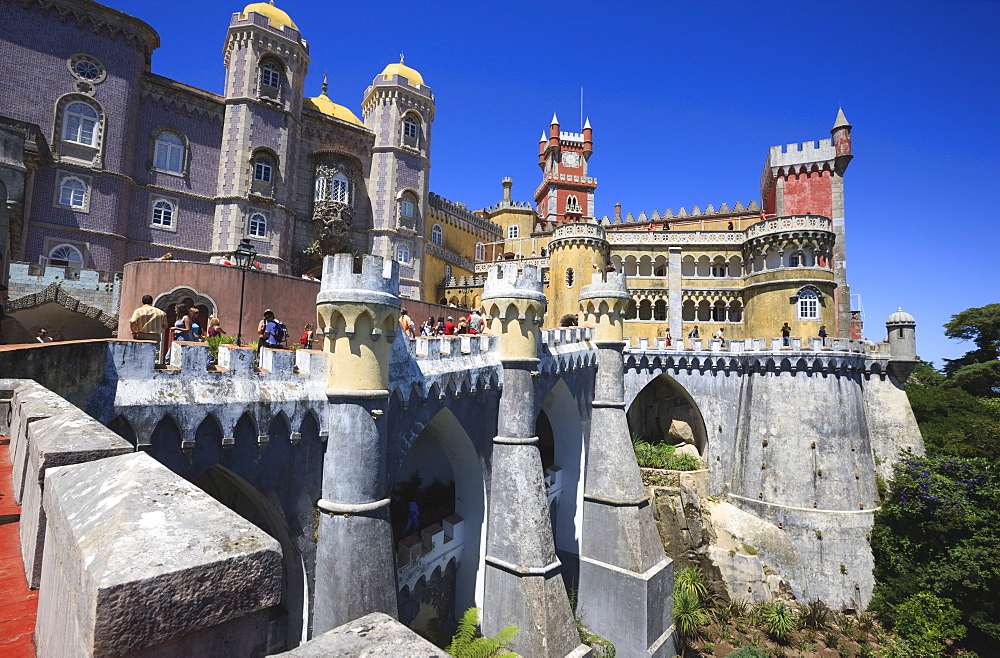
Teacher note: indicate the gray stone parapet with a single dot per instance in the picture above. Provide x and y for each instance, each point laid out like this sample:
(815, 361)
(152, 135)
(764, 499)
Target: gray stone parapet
(605, 285)
(376, 283)
(140, 561)
(68, 438)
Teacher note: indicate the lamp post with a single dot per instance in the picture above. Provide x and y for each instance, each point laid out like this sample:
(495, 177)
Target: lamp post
(244, 257)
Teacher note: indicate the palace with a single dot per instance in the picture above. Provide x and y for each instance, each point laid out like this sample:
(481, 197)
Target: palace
(242, 502)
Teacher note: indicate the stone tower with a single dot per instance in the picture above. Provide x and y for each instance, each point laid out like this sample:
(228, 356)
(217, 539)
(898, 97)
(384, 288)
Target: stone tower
(399, 108)
(523, 583)
(567, 192)
(576, 251)
(626, 579)
(808, 178)
(266, 62)
(357, 317)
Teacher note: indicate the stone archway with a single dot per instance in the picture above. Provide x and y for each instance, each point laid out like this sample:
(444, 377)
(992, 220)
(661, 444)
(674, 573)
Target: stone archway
(444, 450)
(665, 411)
(167, 301)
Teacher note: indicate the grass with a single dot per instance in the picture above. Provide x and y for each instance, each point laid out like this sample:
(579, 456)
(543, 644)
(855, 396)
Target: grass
(662, 455)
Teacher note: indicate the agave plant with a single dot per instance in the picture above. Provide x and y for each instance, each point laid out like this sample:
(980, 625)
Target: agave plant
(468, 643)
(781, 620)
(688, 613)
(690, 580)
(816, 615)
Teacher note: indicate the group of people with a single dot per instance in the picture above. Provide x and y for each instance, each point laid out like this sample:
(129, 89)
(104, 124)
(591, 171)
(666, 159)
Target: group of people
(442, 326)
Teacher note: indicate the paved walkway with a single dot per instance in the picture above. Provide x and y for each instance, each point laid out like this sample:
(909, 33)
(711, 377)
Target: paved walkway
(18, 604)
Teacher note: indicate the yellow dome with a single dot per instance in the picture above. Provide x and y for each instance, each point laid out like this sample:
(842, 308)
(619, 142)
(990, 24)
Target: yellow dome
(323, 104)
(275, 16)
(403, 70)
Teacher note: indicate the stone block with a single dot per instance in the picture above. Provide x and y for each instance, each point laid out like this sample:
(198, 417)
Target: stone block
(30, 402)
(312, 362)
(235, 359)
(190, 357)
(139, 561)
(276, 361)
(372, 636)
(7, 388)
(69, 438)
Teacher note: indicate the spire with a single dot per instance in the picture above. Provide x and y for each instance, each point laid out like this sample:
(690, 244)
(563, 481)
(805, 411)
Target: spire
(544, 138)
(325, 85)
(401, 58)
(841, 121)
(587, 124)
(555, 120)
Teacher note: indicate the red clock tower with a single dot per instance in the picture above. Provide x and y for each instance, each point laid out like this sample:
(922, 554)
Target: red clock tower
(566, 193)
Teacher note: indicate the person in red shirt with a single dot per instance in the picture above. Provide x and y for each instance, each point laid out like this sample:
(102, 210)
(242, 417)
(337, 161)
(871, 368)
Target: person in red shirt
(449, 326)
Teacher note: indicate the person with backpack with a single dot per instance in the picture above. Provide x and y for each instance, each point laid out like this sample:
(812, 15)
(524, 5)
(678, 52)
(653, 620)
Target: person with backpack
(271, 331)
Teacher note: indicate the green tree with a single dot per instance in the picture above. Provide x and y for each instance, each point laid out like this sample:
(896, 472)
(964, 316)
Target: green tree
(977, 371)
(938, 531)
(925, 621)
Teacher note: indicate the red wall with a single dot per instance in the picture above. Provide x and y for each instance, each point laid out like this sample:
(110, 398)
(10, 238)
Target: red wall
(809, 193)
(292, 299)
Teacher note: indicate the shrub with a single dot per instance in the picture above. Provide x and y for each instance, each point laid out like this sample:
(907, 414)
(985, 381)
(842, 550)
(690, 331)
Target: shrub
(215, 341)
(816, 615)
(748, 652)
(781, 620)
(690, 580)
(688, 613)
(925, 621)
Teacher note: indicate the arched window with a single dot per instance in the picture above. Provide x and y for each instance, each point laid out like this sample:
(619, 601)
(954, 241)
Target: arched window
(808, 304)
(407, 208)
(403, 253)
(480, 251)
(65, 255)
(73, 192)
(334, 187)
(410, 128)
(795, 260)
(513, 232)
(163, 213)
(80, 124)
(257, 225)
(270, 75)
(263, 170)
(570, 277)
(437, 235)
(572, 204)
(168, 153)
(719, 268)
(660, 310)
(447, 271)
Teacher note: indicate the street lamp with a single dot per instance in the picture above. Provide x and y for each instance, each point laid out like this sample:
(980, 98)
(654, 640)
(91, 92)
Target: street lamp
(244, 257)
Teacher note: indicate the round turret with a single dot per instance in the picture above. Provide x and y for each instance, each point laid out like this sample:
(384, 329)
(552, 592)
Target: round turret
(901, 330)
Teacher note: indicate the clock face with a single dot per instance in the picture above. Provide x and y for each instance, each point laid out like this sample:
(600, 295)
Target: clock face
(571, 159)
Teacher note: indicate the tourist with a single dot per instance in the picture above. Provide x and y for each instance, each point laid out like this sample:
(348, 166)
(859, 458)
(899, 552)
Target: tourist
(148, 322)
(610, 267)
(463, 326)
(195, 327)
(43, 336)
(406, 323)
(786, 331)
(427, 328)
(182, 327)
(439, 326)
(272, 332)
(412, 517)
(475, 322)
(670, 341)
(215, 327)
(718, 334)
(449, 326)
(822, 334)
(693, 333)
(306, 341)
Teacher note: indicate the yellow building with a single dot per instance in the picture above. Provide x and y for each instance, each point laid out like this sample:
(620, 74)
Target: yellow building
(456, 240)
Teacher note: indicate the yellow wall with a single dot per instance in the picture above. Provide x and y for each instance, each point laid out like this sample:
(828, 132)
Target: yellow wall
(457, 236)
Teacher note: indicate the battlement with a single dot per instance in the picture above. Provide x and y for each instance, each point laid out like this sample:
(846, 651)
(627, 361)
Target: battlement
(801, 153)
(605, 284)
(506, 204)
(376, 283)
(462, 212)
(508, 280)
(724, 211)
(574, 138)
(576, 230)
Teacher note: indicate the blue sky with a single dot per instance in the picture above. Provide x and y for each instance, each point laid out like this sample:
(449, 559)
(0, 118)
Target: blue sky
(685, 100)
